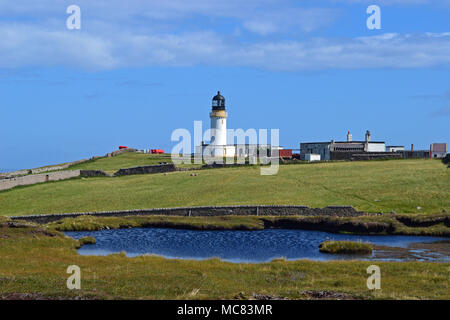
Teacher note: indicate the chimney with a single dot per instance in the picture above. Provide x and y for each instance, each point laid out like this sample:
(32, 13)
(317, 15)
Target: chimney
(349, 137)
(412, 146)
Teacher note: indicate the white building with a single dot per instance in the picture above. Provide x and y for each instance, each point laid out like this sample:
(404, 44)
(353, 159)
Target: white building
(333, 150)
(395, 148)
(438, 150)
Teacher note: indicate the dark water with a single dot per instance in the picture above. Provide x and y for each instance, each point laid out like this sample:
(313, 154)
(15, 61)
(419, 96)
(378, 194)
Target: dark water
(248, 246)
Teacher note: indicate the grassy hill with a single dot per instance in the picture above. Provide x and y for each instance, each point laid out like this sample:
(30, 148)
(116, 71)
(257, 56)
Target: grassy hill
(125, 160)
(399, 185)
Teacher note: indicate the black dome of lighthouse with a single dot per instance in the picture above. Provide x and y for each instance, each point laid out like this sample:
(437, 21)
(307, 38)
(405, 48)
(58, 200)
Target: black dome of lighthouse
(218, 102)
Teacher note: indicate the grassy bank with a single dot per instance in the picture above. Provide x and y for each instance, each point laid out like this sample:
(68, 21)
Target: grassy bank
(372, 186)
(345, 247)
(438, 224)
(90, 223)
(35, 260)
(86, 240)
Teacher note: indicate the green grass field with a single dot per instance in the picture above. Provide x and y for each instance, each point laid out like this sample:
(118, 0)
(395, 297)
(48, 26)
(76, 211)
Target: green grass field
(372, 186)
(34, 259)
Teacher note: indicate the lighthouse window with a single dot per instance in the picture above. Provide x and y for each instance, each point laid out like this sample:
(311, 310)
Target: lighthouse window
(215, 103)
(222, 121)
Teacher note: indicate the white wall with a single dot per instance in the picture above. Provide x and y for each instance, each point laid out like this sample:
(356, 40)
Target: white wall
(312, 157)
(218, 130)
(376, 147)
(394, 149)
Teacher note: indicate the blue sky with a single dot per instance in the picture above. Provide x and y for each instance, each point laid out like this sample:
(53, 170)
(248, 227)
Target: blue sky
(137, 70)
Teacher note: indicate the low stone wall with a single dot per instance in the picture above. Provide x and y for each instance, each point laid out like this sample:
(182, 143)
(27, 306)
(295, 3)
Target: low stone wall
(10, 183)
(7, 175)
(352, 155)
(263, 210)
(37, 178)
(93, 173)
(159, 168)
(59, 167)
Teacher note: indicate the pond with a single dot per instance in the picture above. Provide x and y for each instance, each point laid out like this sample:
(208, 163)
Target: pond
(257, 246)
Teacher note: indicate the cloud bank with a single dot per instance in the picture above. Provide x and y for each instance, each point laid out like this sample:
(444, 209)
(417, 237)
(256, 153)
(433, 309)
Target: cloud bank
(118, 34)
(25, 46)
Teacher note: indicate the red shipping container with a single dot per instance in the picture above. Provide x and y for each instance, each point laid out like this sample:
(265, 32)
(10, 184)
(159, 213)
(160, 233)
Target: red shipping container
(157, 151)
(285, 153)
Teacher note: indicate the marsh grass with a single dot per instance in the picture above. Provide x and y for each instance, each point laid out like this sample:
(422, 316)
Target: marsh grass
(86, 240)
(370, 224)
(345, 247)
(35, 262)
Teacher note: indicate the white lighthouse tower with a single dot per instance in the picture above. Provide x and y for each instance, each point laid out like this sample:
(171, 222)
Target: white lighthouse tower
(218, 146)
(218, 116)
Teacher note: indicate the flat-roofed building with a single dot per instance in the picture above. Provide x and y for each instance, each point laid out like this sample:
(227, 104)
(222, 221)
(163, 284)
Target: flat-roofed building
(438, 150)
(339, 150)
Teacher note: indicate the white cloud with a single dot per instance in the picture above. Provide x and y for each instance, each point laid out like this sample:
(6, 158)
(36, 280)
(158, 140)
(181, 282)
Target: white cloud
(25, 45)
(290, 20)
(135, 33)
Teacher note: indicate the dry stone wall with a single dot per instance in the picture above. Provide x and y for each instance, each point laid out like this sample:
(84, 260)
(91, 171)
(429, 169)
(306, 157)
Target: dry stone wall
(262, 210)
(10, 183)
(7, 175)
(159, 168)
(37, 178)
(59, 167)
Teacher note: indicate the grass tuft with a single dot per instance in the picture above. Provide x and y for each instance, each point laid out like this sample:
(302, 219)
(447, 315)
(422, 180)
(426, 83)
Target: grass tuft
(345, 247)
(86, 240)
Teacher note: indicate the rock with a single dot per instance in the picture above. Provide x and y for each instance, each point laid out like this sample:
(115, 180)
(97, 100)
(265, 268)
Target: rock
(241, 296)
(325, 295)
(257, 296)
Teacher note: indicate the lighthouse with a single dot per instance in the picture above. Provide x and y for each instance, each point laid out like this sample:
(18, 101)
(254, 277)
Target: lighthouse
(218, 118)
(218, 146)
